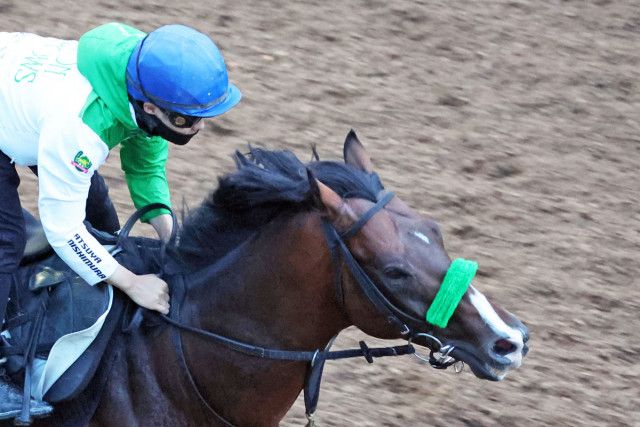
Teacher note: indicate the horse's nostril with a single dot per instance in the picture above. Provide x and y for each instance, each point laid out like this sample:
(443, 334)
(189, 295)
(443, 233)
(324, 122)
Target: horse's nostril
(504, 347)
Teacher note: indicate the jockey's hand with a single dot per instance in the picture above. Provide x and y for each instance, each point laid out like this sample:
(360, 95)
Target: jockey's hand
(147, 290)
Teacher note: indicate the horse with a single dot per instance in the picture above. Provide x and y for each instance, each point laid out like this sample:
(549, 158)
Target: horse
(257, 266)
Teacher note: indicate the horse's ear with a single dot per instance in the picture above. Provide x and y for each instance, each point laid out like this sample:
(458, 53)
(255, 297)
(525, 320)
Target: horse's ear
(314, 190)
(339, 212)
(324, 198)
(330, 200)
(355, 154)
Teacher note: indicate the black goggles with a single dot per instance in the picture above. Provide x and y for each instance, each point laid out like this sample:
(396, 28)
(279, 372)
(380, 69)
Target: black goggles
(180, 120)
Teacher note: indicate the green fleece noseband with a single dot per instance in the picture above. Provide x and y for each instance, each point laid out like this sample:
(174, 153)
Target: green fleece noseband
(458, 278)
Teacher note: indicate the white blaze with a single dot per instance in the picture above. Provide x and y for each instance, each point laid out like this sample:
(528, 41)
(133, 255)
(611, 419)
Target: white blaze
(497, 325)
(422, 237)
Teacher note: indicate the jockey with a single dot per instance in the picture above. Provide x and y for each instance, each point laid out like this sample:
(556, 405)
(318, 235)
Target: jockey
(64, 105)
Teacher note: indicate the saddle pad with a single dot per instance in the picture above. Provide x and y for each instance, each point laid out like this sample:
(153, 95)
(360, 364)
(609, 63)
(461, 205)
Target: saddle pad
(75, 315)
(64, 353)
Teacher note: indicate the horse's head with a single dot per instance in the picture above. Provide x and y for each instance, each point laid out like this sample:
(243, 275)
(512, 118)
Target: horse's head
(404, 255)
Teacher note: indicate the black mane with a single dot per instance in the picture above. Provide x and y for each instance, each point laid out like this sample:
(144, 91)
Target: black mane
(266, 185)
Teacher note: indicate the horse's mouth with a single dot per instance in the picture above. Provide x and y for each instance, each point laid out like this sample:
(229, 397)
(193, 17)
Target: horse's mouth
(492, 368)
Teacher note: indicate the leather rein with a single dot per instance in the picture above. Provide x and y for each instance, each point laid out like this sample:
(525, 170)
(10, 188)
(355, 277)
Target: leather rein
(404, 322)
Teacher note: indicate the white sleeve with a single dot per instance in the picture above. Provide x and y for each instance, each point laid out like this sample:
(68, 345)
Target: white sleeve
(69, 153)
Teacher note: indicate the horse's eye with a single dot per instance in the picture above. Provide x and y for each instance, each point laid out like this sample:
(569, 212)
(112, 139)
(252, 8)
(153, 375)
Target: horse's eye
(396, 273)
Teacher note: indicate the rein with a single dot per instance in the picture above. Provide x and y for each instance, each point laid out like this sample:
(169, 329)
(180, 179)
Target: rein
(316, 358)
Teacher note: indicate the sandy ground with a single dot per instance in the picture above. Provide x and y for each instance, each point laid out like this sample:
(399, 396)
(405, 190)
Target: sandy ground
(513, 123)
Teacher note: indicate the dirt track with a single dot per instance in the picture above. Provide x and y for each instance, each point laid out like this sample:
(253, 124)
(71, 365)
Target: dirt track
(513, 123)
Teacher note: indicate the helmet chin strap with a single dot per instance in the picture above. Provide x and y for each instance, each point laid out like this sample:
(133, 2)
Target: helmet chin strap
(153, 126)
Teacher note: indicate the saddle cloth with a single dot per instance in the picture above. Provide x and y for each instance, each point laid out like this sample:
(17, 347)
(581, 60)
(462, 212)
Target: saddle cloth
(61, 323)
(65, 352)
(58, 315)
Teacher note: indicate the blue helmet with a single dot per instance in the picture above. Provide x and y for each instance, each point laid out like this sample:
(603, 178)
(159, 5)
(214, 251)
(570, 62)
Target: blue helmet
(180, 69)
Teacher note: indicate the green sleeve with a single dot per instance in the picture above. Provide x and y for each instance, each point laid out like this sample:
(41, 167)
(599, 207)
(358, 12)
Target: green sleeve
(143, 162)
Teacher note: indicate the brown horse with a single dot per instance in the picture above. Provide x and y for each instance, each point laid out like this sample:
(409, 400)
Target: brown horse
(257, 268)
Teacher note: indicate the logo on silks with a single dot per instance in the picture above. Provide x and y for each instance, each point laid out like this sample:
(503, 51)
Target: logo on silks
(81, 162)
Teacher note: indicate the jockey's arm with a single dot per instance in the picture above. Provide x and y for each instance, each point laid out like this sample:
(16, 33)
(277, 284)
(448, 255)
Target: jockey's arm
(163, 224)
(143, 162)
(68, 155)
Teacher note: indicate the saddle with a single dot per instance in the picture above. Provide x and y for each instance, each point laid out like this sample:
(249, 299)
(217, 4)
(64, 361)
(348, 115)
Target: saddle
(50, 304)
(37, 246)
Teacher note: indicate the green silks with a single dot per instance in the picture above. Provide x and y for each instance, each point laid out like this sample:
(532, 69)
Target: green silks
(456, 282)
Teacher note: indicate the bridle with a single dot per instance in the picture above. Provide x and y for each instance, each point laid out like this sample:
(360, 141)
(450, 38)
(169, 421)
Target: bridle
(405, 323)
(393, 314)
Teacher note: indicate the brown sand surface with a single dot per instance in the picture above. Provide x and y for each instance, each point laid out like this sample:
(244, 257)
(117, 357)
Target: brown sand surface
(513, 123)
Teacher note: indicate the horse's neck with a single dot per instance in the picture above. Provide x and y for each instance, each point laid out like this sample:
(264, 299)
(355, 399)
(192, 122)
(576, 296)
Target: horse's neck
(274, 291)
(277, 290)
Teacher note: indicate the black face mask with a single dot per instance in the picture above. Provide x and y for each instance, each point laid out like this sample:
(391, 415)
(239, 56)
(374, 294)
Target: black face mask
(153, 126)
